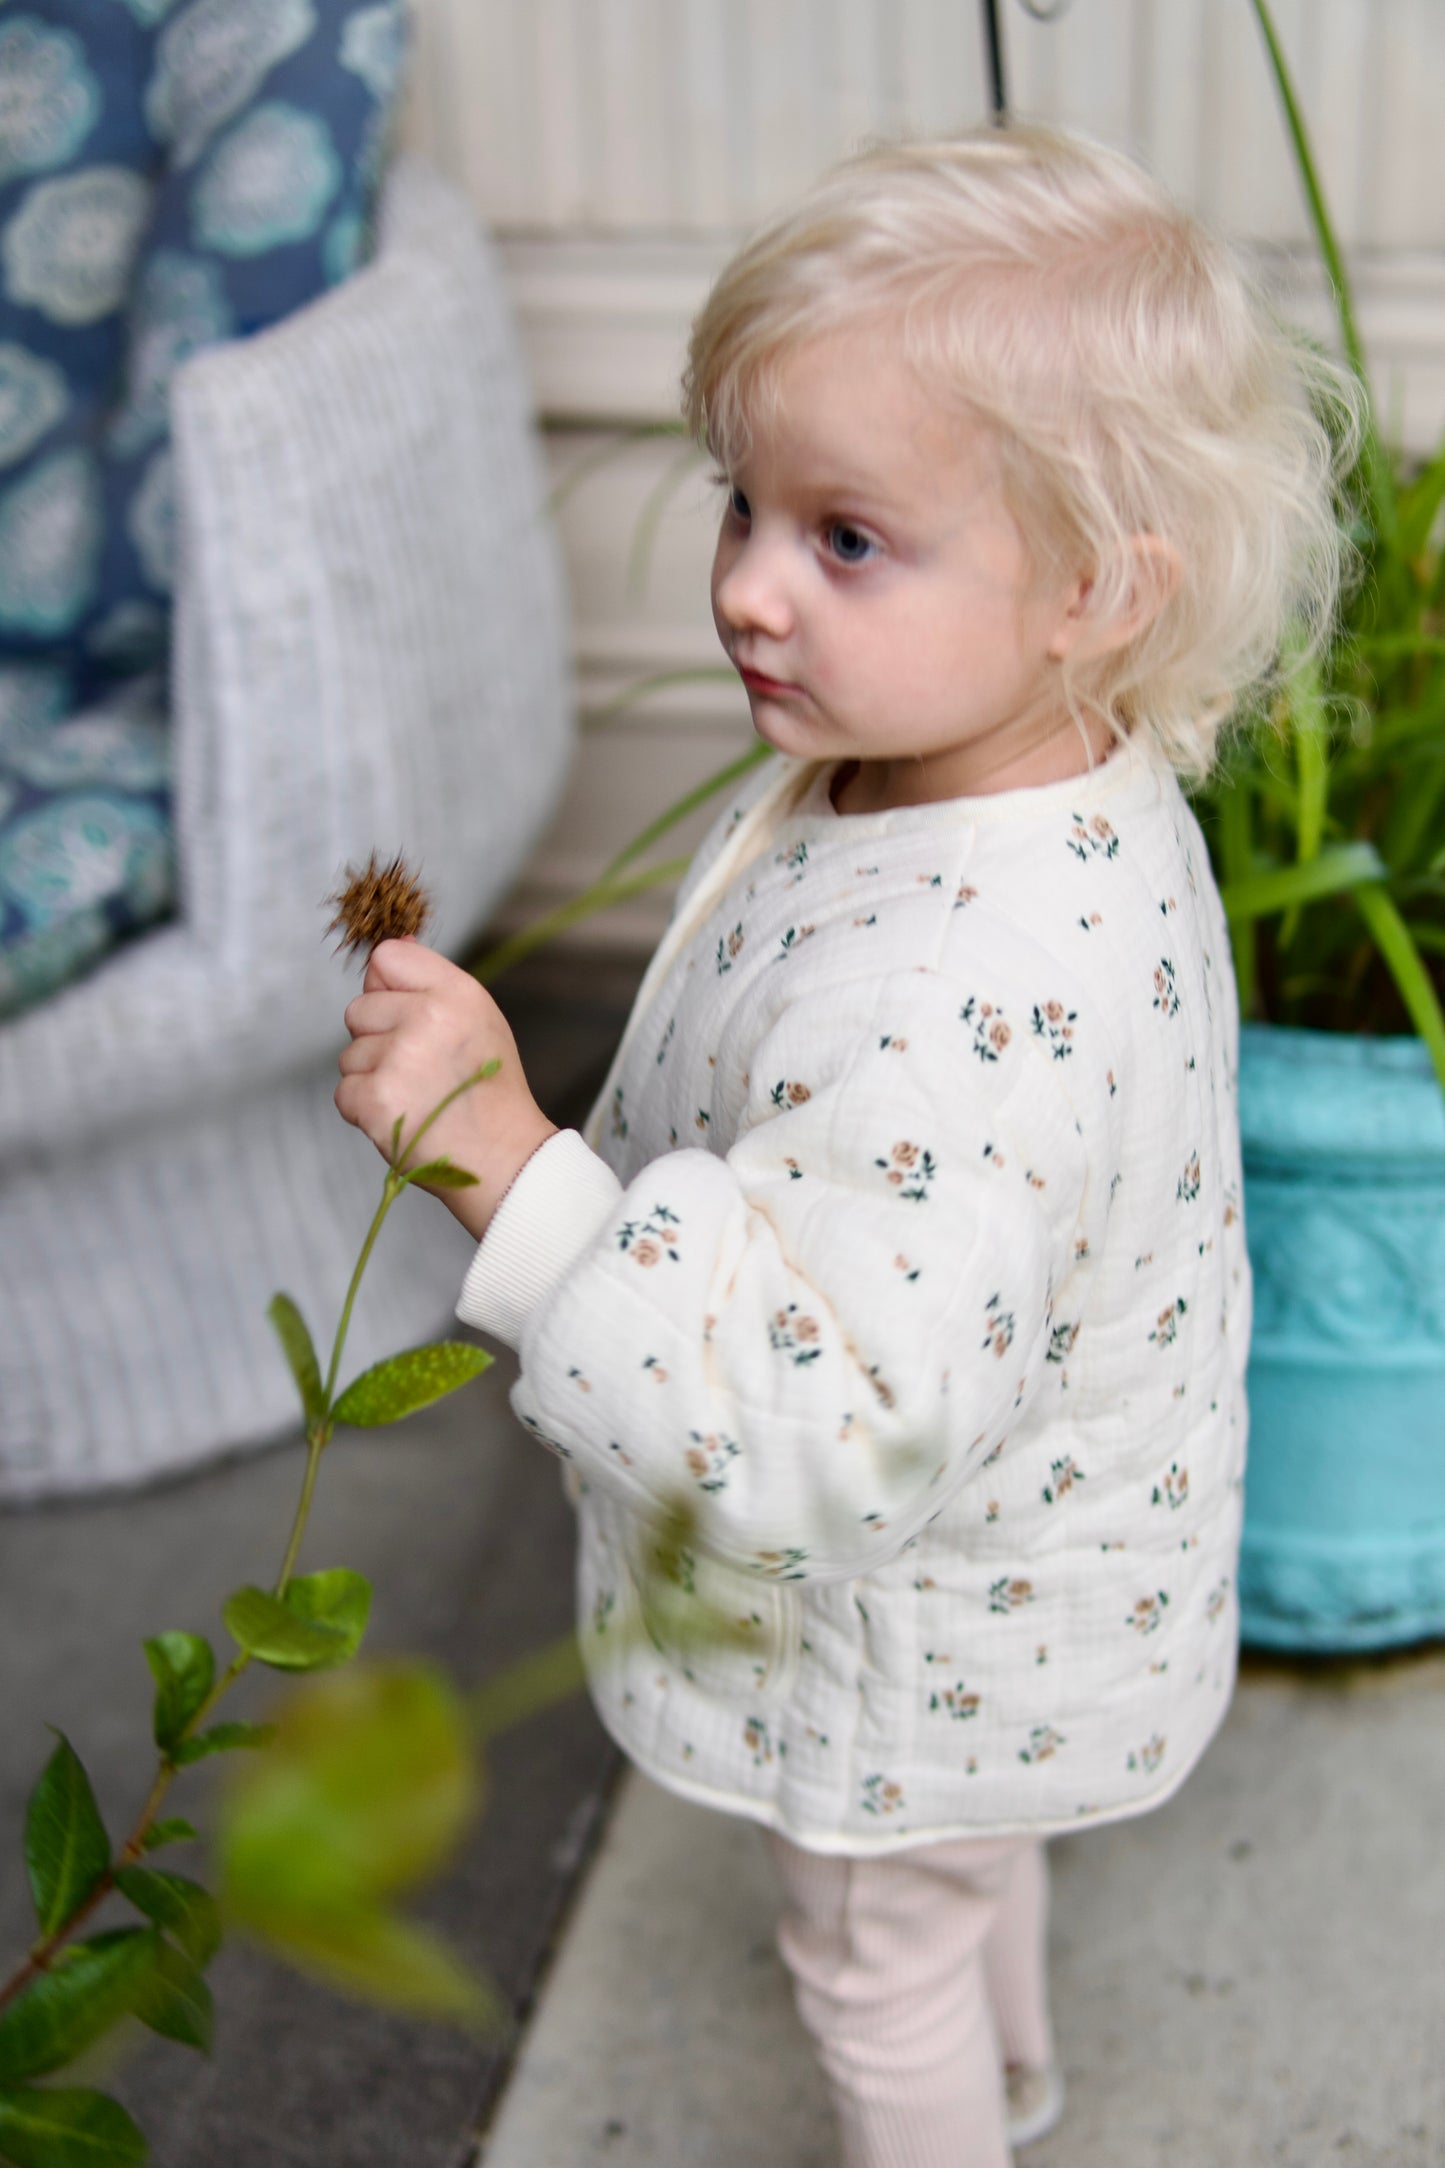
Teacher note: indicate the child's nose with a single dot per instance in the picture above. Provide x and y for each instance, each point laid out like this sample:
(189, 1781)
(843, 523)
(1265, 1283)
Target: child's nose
(750, 589)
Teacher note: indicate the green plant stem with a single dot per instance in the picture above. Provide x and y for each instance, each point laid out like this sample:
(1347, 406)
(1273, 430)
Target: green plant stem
(1377, 472)
(316, 1442)
(681, 807)
(478, 1076)
(596, 898)
(318, 1433)
(549, 1675)
(391, 1189)
(1407, 968)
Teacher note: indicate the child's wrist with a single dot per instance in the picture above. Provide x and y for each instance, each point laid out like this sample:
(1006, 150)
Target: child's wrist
(476, 1206)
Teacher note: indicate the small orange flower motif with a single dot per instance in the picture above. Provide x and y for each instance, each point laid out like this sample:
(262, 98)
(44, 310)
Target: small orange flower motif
(645, 1251)
(798, 1094)
(904, 1155)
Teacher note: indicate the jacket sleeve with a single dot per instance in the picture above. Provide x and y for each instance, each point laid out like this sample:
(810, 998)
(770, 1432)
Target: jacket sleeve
(810, 1343)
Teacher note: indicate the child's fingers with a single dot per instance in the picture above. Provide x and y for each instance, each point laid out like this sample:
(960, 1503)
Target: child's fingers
(407, 966)
(381, 1011)
(362, 1055)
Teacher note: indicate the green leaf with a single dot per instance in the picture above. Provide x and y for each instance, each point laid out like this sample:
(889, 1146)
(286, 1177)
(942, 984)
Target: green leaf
(394, 1388)
(174, 1829)
(176, 2002)
(86, 1991)
(186, 1911)
(533, 1683)
(688, 803)
(369, 1788)
(289, 1327)
(57, 2128)
(66, 1847)
(441, 1174)
(319, 1621)
(385, 1959)
(1341, 867)
(184, 1670)
(222, 1739)
(599, 897)
(1408, 969)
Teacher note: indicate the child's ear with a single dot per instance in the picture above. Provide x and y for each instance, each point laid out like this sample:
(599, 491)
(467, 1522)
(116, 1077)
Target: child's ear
(1152, 576)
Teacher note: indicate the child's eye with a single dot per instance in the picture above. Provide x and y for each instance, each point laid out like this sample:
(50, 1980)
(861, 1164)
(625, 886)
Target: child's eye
(738, 505)
(849, 544)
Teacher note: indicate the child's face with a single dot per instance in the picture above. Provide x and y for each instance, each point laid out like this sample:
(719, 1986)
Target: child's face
(874, 592)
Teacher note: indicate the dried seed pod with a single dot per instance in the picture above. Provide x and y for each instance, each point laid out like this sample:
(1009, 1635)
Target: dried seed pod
(381, 903)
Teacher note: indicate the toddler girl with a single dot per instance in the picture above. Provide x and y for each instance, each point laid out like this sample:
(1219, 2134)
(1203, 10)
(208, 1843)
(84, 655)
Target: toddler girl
(904, 1248)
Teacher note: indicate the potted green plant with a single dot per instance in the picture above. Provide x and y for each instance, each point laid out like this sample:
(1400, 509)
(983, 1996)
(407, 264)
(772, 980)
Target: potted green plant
(1326, 826)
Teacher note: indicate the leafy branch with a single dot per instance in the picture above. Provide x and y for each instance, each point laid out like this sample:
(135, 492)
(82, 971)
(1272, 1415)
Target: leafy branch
(308, 1865)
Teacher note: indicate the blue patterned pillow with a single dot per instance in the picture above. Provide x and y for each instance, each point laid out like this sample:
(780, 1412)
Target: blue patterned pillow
(170, 175)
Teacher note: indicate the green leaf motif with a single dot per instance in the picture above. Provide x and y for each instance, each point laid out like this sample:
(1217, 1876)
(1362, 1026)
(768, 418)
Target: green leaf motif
(403, 1383)
(58, 2128)
(186, 1911)
(441, 1174)
(319, 1622)
(176, 2002)
(289, 1327)
(372, 1785)
(172, 1829)
(383, 1958)
(66, 1847)
(184, 1669)
(370, 1788)
(84, 1993)
(222, 1739)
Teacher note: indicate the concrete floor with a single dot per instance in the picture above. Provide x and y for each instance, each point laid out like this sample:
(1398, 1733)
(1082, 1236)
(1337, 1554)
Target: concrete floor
(461, 1525)
(1250, 1978)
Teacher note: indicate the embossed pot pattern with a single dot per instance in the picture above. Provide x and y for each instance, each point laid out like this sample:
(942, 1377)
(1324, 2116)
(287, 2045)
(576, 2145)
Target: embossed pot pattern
(1344, 1165)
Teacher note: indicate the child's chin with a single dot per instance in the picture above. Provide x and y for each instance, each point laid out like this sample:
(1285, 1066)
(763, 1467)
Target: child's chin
(786, 731)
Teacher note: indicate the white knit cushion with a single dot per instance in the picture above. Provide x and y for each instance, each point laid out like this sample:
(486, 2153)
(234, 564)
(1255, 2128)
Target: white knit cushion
(370, 654)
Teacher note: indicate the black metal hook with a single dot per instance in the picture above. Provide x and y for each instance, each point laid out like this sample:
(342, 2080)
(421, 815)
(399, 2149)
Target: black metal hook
(1042, 11)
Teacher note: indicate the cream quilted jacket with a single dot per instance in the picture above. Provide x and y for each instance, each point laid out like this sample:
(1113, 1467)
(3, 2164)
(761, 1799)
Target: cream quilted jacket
(905, 1251)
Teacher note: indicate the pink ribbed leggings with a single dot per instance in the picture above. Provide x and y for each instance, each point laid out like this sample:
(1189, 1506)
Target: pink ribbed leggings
(920, 1975)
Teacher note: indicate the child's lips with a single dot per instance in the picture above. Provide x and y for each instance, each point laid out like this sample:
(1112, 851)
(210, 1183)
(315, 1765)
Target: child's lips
(769, 687)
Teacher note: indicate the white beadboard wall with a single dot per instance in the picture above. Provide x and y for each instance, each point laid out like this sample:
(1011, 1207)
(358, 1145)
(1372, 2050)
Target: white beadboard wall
(617, 148)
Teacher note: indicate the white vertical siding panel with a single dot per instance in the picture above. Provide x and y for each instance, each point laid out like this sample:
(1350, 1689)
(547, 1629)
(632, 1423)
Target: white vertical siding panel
(709, 183)
(494, 93)
(1090, 62)
(1166, 99)
(943, 86)
(430, 120)
(1338, 86)
(560, 120)
(1406, 212)
(629, 90)
(889, 115)
(1250, 186)
(782, 100)
(848, 68)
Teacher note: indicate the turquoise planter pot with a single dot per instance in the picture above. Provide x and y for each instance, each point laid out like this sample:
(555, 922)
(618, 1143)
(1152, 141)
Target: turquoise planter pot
(1344, 1173)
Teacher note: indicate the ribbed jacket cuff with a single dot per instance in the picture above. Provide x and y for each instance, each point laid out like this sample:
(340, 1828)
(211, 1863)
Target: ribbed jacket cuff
(546, 1220)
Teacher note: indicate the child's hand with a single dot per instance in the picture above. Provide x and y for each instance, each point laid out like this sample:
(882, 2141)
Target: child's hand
(419, 1025)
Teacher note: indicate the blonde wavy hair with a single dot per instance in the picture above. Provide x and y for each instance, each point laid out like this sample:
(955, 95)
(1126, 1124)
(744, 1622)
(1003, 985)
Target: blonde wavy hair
(1132, 378)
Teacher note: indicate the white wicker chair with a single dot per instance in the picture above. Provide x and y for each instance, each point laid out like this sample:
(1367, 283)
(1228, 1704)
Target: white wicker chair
(370, 653)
